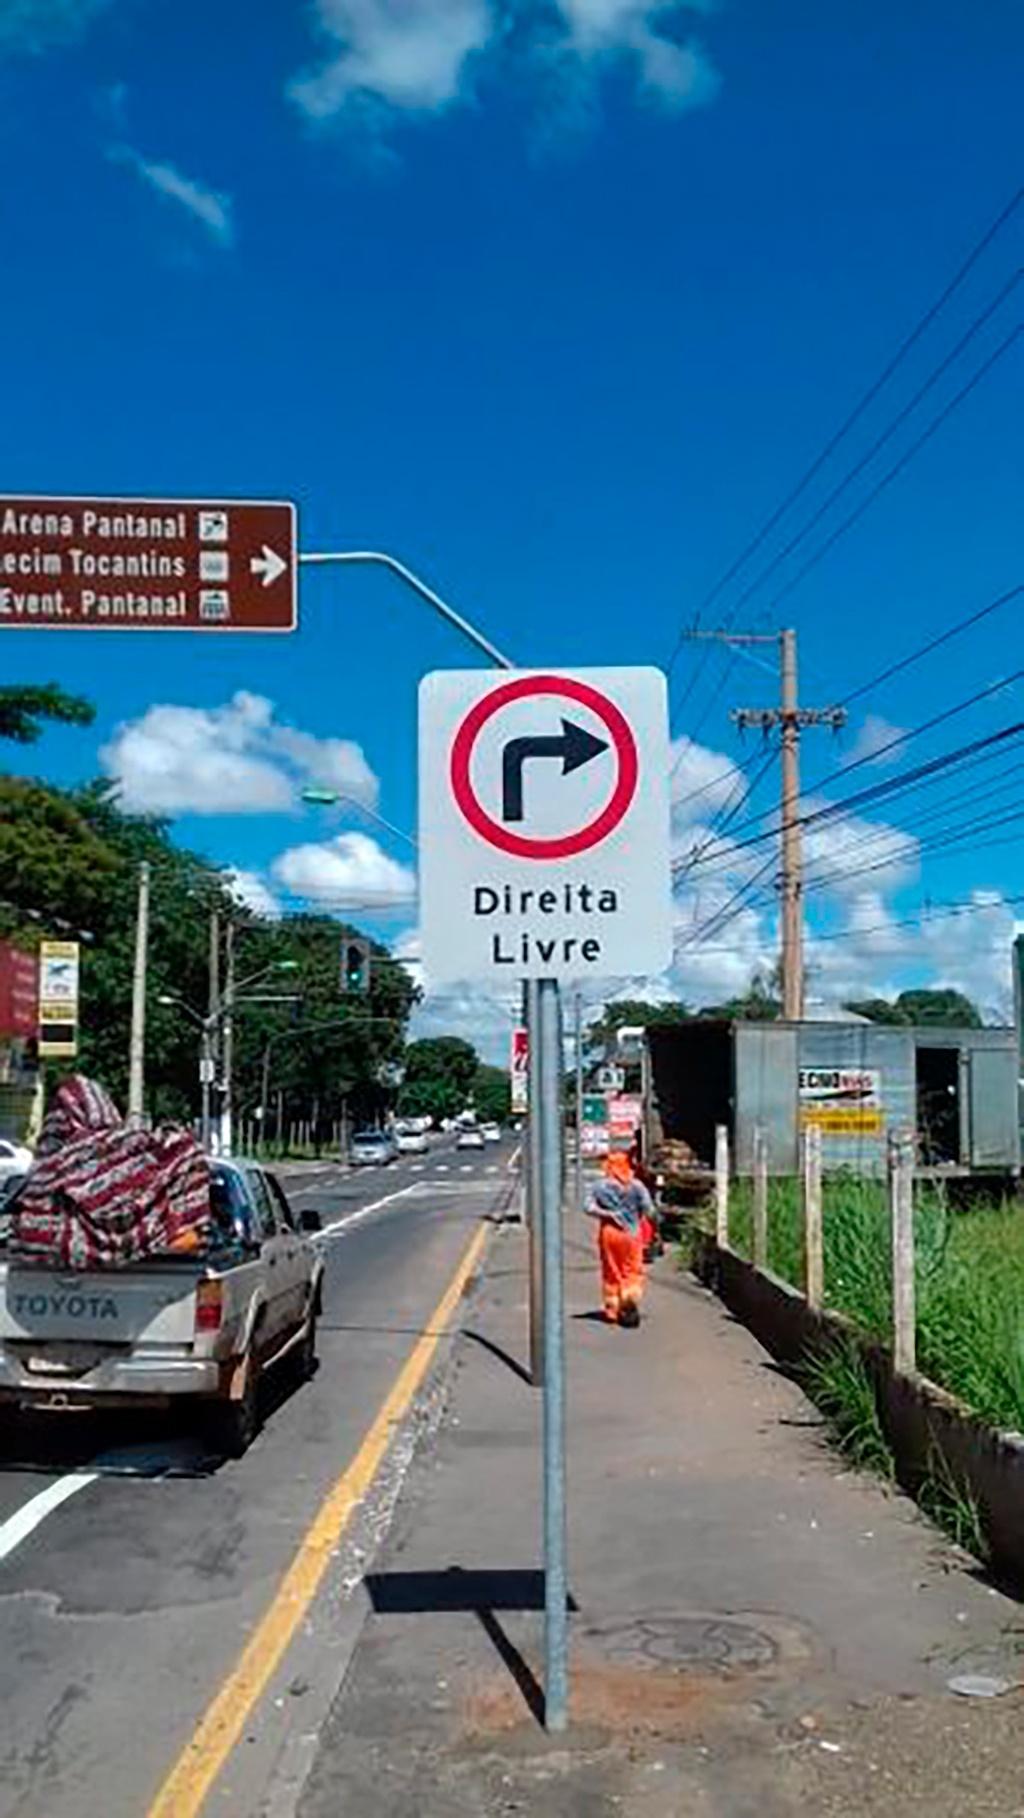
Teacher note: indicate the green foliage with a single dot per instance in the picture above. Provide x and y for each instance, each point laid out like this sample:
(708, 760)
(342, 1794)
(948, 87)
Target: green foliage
(970, 1280)
(760, 1003)
(440, 1072)
(70, 860)
(23, 708)
(946, 1009)
(839, 1384)
(492, 1094)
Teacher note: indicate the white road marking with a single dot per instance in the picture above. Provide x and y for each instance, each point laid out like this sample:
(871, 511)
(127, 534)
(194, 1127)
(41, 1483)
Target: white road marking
(355, 1218)
(442, 1168)
(29, 1517)
(466, 1168)
(493, 1170)
(417, 1168)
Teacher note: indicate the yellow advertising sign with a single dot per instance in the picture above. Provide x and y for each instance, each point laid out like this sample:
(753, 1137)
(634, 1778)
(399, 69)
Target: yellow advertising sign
(843, 1120)
(58, 999)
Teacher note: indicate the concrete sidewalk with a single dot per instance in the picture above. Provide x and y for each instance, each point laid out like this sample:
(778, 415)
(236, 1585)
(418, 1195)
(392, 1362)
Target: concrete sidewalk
(756, 1631)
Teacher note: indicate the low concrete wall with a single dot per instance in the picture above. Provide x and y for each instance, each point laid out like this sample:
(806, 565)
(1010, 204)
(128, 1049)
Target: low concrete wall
(929, 1431)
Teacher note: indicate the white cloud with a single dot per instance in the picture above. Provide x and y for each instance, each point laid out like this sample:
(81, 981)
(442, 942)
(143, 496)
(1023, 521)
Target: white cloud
(209, 207)
(679, 75)
(412, 54)
(703, 782)
(38, 25)
(878, 741)
(419, 55)
(252, 891)
(349, 870)
(235, 759)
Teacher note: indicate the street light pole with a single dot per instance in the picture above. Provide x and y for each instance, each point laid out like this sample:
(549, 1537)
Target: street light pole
(543, 1032)
(382, 560)
(137, 1048)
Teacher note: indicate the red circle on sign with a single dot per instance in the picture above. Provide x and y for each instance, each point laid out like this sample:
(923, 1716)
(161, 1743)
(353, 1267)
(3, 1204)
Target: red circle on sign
(564, 845)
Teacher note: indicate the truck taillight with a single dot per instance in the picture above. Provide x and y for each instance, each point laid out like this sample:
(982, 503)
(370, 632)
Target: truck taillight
(209, 1306)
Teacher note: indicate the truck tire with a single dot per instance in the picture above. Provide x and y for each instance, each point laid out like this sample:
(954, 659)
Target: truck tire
(233, 1425)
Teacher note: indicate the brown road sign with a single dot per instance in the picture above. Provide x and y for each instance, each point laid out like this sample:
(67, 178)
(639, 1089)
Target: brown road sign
(147, 565)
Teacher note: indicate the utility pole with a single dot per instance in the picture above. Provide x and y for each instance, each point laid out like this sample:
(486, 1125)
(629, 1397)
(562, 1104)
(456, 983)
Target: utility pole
(578, 1057)
(227, 1040)
(137, 1048)
(212, 1054)
(792, 719)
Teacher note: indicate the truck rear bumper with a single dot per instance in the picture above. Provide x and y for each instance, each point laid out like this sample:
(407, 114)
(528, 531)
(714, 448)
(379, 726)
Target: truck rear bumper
(114, 1382)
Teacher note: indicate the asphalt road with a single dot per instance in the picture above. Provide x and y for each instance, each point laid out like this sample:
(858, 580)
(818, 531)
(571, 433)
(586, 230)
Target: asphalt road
(122, 1612)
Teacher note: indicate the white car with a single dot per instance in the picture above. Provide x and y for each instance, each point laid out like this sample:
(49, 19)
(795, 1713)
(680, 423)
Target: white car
(491, 1133)
(470, 1139)
(412, 1142)
(15, 1159)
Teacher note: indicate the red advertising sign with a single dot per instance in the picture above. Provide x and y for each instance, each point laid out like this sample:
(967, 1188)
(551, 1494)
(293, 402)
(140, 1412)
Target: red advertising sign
(625, 1115)
(19, 992)
(147, 565)
(519, 1062)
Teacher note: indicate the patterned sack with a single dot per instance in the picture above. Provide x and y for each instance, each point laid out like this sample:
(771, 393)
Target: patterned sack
(101, 1194)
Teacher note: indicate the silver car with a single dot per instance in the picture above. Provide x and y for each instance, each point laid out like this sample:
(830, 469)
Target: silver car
(371, 1149)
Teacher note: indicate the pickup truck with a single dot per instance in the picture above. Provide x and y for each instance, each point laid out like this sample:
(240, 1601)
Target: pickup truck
(205, 1327)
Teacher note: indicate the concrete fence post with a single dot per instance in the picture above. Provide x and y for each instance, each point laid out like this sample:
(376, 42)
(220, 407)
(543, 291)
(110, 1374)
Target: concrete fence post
(901, 1204)
(760, 1199)
(814, 1236)
(722, 1187)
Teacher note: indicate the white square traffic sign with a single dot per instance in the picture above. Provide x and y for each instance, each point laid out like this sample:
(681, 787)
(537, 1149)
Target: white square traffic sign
(544, 824)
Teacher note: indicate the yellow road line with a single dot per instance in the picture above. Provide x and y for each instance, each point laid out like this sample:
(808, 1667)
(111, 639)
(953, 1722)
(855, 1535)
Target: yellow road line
(197, 1767)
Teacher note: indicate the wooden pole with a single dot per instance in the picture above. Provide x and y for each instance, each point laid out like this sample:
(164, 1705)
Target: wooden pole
(760, 1200)
(722, 1187)
(814, 1250)
(901, 1201)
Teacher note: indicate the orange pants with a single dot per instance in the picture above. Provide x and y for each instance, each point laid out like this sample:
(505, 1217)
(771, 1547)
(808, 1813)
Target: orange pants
(622, 1268)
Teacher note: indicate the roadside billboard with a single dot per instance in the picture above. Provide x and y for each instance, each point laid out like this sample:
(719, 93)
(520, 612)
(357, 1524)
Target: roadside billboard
(19, 993)
(58, 999)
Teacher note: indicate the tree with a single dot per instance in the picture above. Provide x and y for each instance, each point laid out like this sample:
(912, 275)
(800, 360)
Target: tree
(22, 709)
(945, 1008)
(624, 1013)
(440, 1072)
(760, 1003)
(69, 864)
(492, 1094)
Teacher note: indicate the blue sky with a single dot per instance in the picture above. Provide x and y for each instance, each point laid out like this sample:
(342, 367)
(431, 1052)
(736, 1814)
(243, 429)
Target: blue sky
(553, 301)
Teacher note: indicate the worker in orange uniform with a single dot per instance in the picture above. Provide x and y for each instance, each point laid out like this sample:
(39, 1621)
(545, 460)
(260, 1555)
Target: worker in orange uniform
(619, 1202)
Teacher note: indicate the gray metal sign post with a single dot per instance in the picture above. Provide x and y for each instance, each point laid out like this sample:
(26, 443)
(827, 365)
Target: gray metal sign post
(552, 876)
(549, 1142)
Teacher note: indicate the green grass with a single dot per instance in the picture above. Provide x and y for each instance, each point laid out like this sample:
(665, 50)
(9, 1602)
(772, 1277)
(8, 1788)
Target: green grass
(838, 1382)
(970, 1280)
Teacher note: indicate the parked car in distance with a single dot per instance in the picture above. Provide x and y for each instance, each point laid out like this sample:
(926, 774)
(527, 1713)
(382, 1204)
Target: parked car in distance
(372, 1149)
(491, 1133)
(15, 1159)
(412, 1142)
(470, 1138)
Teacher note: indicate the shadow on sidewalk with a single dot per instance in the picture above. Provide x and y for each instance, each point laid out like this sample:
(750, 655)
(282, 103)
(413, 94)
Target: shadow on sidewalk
(479, 1594)
(503, 1356)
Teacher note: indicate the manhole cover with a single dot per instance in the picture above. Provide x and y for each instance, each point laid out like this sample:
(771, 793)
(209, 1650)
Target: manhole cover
(717, 1644)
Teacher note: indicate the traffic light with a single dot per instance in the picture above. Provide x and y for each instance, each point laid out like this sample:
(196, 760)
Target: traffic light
(355, 965)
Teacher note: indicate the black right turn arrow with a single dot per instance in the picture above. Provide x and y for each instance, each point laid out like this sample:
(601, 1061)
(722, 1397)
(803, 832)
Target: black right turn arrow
(575, 747)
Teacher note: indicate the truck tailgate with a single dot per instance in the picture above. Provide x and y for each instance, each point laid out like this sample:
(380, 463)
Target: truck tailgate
(153, 1304)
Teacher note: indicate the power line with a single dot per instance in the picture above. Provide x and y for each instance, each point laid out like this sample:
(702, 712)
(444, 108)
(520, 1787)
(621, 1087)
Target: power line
(920, 328)
(897, 468)
(880, 441)
(936, 643)
(899, 739)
